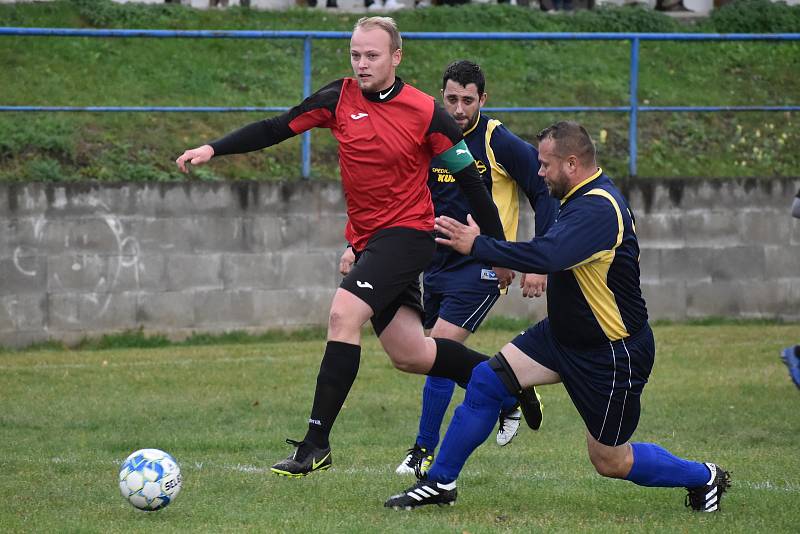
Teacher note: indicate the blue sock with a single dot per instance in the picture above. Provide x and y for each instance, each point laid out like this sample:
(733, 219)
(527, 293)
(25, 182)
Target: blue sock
(436, 397)
(655, 466)
(471, 425)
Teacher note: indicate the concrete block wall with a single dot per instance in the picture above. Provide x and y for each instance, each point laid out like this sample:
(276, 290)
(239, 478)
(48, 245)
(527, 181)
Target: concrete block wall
(81, 260)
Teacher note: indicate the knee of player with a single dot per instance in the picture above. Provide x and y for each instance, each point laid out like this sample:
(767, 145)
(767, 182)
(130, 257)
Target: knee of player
(485, 380)
(406, 364)
(338, 322)
(607, 466)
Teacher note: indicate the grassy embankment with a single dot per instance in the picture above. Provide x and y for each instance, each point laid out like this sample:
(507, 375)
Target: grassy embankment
(185, 72)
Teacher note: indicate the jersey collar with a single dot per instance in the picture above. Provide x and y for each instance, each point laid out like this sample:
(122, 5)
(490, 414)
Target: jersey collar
(387, 94)
(586, 181)
(472, 128)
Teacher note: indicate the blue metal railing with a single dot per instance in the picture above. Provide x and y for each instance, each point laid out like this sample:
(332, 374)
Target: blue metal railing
(633, 108)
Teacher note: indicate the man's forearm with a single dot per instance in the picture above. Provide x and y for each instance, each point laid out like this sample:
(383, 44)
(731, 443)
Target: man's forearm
(520, 256)
(254, 136)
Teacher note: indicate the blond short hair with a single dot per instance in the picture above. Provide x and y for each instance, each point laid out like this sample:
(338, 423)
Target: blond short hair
(386, 24)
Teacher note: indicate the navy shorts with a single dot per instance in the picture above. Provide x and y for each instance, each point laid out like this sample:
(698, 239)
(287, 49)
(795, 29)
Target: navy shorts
(386, 273)
(466, 309)
(605, 383)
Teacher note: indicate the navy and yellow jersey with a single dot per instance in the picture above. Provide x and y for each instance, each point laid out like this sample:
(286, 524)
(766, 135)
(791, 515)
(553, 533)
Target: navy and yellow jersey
(592, 257)
(505, 161)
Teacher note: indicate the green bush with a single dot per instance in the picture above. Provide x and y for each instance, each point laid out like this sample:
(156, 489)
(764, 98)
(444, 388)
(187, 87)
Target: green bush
(48, 136)
(45, 170)
(756, 16)
(105, 14)
(633, 18)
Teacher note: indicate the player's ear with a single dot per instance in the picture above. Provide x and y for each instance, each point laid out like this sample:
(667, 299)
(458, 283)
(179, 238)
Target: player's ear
(397, 56)
(482, 99)
(572, 162)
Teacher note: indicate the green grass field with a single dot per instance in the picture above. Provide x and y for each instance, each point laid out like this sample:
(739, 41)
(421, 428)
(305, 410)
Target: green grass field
(69, 417)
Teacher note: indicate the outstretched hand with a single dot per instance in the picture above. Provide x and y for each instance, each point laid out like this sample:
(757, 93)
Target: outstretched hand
(195, 156)
(459, 237)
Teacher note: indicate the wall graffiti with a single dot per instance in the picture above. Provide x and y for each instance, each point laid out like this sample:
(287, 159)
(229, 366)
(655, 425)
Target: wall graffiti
(76, 266)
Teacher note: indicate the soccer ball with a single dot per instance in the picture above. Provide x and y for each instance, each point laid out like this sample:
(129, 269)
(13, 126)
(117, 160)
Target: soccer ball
(150, 479)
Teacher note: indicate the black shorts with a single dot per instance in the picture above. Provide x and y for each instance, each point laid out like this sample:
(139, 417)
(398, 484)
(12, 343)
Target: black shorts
(604, 384)
(386, 273)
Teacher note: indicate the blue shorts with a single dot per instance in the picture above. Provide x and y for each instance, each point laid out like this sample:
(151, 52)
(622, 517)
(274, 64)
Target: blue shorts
(466, 309)
(604, 383)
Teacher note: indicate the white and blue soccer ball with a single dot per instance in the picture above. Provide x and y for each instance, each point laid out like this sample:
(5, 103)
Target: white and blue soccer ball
(150, 479)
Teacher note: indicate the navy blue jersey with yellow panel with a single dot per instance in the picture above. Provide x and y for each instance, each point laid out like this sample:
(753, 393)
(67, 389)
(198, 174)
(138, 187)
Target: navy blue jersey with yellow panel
(507, 165)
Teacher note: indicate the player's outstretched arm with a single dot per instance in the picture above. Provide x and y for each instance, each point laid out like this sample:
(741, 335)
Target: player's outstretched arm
(195, 156)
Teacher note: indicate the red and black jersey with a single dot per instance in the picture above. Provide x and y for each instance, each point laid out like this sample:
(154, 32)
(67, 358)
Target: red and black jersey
(386, 142)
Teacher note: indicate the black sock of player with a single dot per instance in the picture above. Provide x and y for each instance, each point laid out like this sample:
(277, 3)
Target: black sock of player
(337, 372)
(455, 361)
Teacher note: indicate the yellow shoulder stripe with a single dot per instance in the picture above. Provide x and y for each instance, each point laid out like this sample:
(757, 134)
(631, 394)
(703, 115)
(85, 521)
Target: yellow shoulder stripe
(592, 277)
(504, 188)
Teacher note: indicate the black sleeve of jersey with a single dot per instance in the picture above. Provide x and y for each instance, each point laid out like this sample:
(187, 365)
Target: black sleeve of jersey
(254, 136)
(272, 131)
(484, 210)
(443, 123)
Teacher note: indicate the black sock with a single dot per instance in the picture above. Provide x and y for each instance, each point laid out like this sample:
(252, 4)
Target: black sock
(337, 372)
(455, 361)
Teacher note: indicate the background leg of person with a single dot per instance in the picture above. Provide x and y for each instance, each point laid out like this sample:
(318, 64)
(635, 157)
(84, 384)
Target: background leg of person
(791, 357)
(436, 397)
